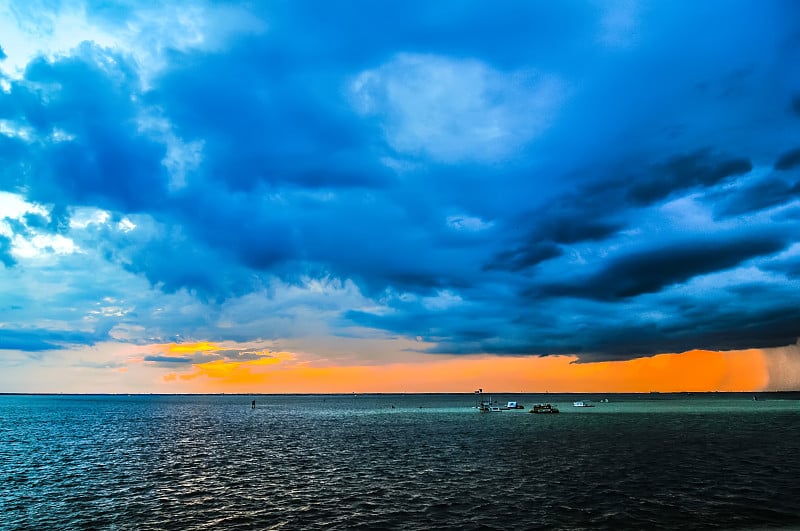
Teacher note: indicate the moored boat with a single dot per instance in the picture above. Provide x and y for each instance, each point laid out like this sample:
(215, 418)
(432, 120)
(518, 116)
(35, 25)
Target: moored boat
(487, 407)
(544, 409)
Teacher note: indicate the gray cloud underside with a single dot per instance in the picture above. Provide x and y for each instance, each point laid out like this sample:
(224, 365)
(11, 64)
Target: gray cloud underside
(174, 361)
(653, 269)
(788, 160)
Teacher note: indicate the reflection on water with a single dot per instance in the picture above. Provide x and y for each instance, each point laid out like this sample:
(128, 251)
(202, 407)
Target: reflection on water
(714, 461)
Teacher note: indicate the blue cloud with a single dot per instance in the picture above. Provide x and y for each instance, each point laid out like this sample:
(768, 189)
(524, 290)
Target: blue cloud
(788, 160)
(38, 340)
(768, 192)
(5, 251)
(109, 162)
(652, 269)
(531, 180)
(685, 172)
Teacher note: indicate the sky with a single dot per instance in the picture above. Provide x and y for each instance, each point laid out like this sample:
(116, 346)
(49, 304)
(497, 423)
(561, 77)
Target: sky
(399, 196)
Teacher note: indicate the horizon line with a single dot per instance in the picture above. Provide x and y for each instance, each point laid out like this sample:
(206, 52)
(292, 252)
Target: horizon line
(355, 393)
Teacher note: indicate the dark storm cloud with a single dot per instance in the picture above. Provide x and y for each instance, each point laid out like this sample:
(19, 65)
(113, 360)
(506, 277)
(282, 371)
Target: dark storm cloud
(768, 192)
(727, 321)
(577, 229)
(700, 168)
(553, 228)
(653, 269)
(586, 214)
(759, 326)
(788, 160)
(607, 332)
(764, 328)
(525, 256)
(788, 266)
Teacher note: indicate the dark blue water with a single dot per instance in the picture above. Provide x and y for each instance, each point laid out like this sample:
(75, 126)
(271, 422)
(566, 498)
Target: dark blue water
(714, 461)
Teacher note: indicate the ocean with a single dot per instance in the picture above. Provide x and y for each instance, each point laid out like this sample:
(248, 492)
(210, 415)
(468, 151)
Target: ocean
(416, 462)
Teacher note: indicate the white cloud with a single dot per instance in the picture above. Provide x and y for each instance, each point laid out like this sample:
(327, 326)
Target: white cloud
(467, 223)
(182, 157)
(126, 225)
(42, 245)
(443, 300)
(59, 135)
(14, 206)
(686, 214)
(16, 130)
(82, 217)
(32, 28)
(32, 243)
(456, 109)
(26, 133)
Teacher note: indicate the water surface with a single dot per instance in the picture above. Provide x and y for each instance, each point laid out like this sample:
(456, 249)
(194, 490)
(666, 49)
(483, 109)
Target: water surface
(701, 461)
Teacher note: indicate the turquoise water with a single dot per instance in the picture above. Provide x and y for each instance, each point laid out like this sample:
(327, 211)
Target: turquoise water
(661, 461)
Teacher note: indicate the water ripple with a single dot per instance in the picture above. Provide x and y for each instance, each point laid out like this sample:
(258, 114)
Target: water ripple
(314, 463)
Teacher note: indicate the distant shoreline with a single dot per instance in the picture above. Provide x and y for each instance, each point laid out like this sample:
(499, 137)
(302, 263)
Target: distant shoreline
(504, 393)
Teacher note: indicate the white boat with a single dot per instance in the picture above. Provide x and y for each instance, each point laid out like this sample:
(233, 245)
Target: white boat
(487, 406)
(583, 403)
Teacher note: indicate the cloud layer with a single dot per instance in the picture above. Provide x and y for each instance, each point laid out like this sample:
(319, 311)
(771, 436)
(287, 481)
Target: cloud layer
(609, 180)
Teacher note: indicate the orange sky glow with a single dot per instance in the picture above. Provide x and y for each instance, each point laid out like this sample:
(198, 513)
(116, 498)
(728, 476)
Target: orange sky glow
(285, 372)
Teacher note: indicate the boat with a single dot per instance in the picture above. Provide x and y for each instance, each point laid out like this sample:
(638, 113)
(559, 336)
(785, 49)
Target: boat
(487, 407)
(582, 403)
(491, 406)
(544, 409)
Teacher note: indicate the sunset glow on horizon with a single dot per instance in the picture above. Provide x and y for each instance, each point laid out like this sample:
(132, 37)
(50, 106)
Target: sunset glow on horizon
(288, 373)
